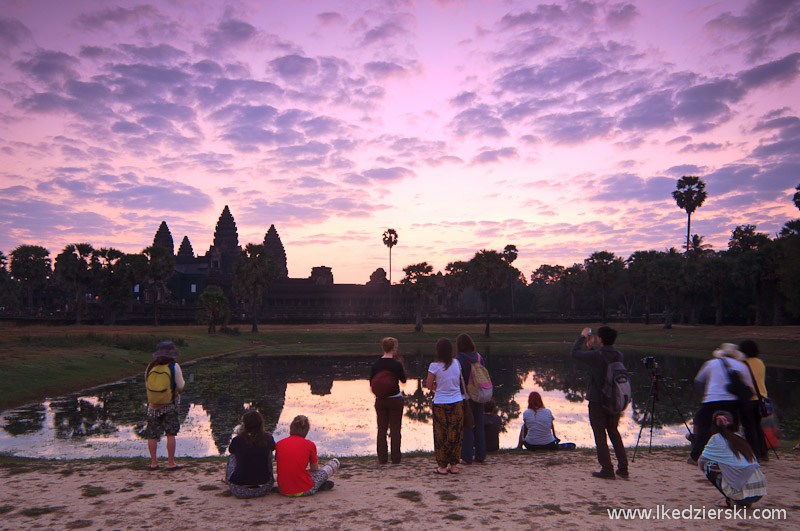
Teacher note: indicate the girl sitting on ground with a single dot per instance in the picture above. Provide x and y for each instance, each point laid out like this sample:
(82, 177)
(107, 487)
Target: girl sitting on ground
(538, 431)
(730, 465)
(299, 473)
(249, 470)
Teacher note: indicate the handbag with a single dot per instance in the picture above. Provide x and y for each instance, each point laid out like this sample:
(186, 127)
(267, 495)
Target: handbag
(764, 404)
(735, 385)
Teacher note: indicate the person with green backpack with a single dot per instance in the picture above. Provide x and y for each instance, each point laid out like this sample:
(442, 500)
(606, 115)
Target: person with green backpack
(164, 381)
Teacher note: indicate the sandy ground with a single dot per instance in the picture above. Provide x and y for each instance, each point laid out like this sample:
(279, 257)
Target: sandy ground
(513, 490)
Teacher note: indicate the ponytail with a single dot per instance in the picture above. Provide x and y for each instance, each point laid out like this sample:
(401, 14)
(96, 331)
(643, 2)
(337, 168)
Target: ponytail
(723, 423)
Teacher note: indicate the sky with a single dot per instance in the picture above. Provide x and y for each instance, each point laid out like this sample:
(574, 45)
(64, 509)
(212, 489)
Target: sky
(560, 127)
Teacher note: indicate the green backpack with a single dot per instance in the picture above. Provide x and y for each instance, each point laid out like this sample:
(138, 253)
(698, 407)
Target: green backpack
(160, 382)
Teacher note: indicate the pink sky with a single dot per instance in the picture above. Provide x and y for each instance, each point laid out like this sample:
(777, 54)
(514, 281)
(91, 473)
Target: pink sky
(560, 128)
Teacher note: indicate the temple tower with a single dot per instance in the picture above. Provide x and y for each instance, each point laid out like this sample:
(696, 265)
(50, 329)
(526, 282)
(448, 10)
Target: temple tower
(163, 238)
(185, 252)
(274, 247)
(225, 251)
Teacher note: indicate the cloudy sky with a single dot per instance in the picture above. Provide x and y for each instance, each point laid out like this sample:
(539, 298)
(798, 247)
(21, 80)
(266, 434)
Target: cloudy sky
(558, 127)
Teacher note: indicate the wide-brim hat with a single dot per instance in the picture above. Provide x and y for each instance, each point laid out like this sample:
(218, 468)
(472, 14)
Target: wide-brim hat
(729, 350)
(166, 349)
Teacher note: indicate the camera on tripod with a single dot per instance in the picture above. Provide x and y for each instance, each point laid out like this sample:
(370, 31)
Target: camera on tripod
(650, 363)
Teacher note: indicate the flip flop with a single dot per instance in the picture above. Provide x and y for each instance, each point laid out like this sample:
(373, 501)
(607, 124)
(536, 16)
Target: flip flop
(436, 471)
(152, 468)
(451, 472)
(171, 468)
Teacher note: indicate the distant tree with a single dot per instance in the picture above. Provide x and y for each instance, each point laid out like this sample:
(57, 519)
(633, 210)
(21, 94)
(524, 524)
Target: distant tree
(115, 275)
(574, 281)
(419, 280)
(390, 240)
(697, 249)
(30, 266)
(745, 238)
(456, 280)
(157, 270)
(796, 197)
(252, 276)
(74, 270)
(214, 308)
(790, 227)
(690, 194)
(603, 269)
(716, 273)
(510, 254)
(546, 274)
(8, 295)
(488, 273)
(640, 273)
(668, 278)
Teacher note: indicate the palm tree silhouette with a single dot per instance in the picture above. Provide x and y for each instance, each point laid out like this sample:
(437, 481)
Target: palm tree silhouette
(690, 193)
(390, 240)
(796, 197)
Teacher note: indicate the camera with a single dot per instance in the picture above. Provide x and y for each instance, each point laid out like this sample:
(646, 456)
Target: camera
(650, 362)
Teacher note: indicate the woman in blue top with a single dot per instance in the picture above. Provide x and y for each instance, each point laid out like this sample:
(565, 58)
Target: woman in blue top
(444, 377)
(729, 463)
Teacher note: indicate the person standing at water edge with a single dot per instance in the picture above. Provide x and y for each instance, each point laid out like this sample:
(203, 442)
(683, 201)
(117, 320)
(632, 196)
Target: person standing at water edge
(474, 445)
(444, 377)
(164, 381)
(384, 380)
(602, 421)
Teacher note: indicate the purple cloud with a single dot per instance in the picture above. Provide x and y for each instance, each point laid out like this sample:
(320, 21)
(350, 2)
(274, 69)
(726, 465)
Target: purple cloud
(783, 70)
(480, 120)
(229, 33)
(386, 31)
(388, 174)
(575, 127)
(12, 33)
(49, 65)
(384, 69)
(495, 155)
(97, 20)
(330, 17)
(701, 147)
(294, 67)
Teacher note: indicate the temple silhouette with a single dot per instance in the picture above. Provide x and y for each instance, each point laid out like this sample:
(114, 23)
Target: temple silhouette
(313, 298)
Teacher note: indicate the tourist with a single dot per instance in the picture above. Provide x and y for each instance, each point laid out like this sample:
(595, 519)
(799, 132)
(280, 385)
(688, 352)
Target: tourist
(729, 463)
(444, 377)
(538, 430)
(474, 444)
(299, 473)
(164, 381)
(601, 420)
(384, 380)
(249, 469)
(713, 377)
(751, 410)
(492, 426)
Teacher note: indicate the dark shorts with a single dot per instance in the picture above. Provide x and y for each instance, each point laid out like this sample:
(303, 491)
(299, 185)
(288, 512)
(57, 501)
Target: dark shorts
(167, 423)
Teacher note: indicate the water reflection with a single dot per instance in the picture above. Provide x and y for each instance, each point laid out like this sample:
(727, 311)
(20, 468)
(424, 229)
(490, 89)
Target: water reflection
(334, 393)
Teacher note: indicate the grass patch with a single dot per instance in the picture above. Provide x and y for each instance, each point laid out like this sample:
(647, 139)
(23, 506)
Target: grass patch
(67, 472)
(410, 495)
(446, 495)
(225, 494)
(78, 524)
(456, 517)
(136, 484)
(38, 511)
(125, 489)
(555, 508)
(208, 487)
(145, 496)
(168, 492)
(93, 491)
(6, 509)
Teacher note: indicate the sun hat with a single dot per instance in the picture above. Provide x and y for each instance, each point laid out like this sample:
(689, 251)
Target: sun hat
(166, 349)
(729, 350)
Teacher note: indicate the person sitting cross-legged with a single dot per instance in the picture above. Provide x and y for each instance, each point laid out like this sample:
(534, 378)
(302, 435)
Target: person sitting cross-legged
(299, 473)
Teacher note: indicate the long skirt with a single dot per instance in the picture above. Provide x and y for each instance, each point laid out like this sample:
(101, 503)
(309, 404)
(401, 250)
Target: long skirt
(448, 422)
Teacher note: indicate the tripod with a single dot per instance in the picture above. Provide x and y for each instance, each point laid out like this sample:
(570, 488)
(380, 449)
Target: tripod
(650, 408)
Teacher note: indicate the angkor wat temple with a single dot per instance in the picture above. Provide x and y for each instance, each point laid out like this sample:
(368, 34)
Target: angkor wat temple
(315, 298)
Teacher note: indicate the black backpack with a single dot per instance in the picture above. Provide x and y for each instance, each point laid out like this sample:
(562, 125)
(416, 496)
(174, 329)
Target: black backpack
(616, 387)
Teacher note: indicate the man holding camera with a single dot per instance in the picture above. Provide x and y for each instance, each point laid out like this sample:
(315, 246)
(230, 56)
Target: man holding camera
(602, 421)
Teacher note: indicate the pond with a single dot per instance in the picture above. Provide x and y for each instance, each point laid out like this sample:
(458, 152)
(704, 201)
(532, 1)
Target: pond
(333, 392)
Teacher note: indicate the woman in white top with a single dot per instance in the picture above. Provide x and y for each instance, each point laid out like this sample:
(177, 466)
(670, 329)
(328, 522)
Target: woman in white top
(444, 377)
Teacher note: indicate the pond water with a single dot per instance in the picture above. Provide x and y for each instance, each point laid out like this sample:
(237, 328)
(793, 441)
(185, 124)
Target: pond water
(334, 393)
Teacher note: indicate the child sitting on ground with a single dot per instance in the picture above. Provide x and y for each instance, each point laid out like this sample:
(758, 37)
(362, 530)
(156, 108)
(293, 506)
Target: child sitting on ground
(299, 473)
(249, 470)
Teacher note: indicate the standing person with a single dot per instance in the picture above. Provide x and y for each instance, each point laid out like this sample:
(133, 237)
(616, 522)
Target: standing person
(492, 426)
(299, 473)
(713, 377)
(602, 421)
(384, 380)
(164, 380)
(249, 469)
(751, 411)
(474, 445)
(729, 464)
(444, 377)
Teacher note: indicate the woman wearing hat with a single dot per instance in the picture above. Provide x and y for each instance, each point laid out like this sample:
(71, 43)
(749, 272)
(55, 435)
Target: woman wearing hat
(714, 378)
(164, 381)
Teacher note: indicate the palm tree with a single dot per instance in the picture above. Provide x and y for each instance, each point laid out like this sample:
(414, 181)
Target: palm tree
(488, 273)
(668, 277)
(574, 280)
(390, 240)
(114, 273)
(457, 279)
(510, 254)
(420, 281)
(157, 271)
(603, 268)
(74, 268)
(252, 276)
(640, 266)
(690, 193)
(30, 266)
(214, 308)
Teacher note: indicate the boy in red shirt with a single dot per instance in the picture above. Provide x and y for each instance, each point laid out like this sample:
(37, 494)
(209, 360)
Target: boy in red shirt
(293, 454)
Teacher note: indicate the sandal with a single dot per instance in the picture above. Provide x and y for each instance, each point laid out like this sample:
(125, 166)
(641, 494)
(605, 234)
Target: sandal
(436, 471)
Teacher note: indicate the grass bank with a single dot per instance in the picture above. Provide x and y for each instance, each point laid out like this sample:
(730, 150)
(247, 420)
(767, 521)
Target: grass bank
(42, 361)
